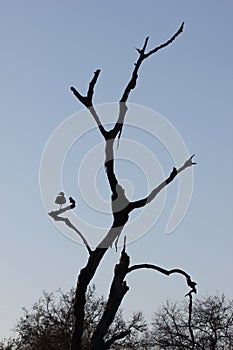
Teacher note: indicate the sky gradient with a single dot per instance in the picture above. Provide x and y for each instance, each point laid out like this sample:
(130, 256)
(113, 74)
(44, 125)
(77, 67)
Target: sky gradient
(48, 46)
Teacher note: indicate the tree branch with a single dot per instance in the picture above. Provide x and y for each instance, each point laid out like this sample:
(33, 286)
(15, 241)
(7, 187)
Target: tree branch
(142, 56)
(189, 282)
(121, 206)
(190, 319)
(109, 165)
(179, 31)
(142, 202)
(117, 292)
(87, 101)
(116, 337)
(55, 215)
(92, 85)
(133, 80)
(136, 324)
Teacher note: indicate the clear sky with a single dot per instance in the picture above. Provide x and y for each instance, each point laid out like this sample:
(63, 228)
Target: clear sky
(48, 46)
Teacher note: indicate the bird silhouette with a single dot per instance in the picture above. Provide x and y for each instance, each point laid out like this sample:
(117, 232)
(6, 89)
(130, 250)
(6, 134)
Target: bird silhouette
(72, 203)
(61, 199)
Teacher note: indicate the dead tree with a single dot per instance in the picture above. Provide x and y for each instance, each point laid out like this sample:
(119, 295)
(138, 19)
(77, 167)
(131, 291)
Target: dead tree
(121, 209)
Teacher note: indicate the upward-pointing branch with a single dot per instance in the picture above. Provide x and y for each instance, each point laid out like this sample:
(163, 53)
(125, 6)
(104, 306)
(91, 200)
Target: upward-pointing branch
(142, 56)
(133, 80)
(142, 202)
(179, 31)
(92, 85)
(87, 101)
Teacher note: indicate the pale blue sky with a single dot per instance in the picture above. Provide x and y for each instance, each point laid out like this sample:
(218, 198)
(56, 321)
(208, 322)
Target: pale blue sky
(48, 46)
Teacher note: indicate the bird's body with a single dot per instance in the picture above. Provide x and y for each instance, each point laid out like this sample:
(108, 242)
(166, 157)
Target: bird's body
(72, 203)
(61, 199)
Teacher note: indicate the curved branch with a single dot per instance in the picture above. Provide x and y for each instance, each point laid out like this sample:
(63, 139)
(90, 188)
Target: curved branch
(116, 337)
(189, 282)
(117, 292)
(55, 215)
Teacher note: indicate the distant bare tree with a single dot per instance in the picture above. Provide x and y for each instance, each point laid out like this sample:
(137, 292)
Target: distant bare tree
(121, 209)
(212, 324)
